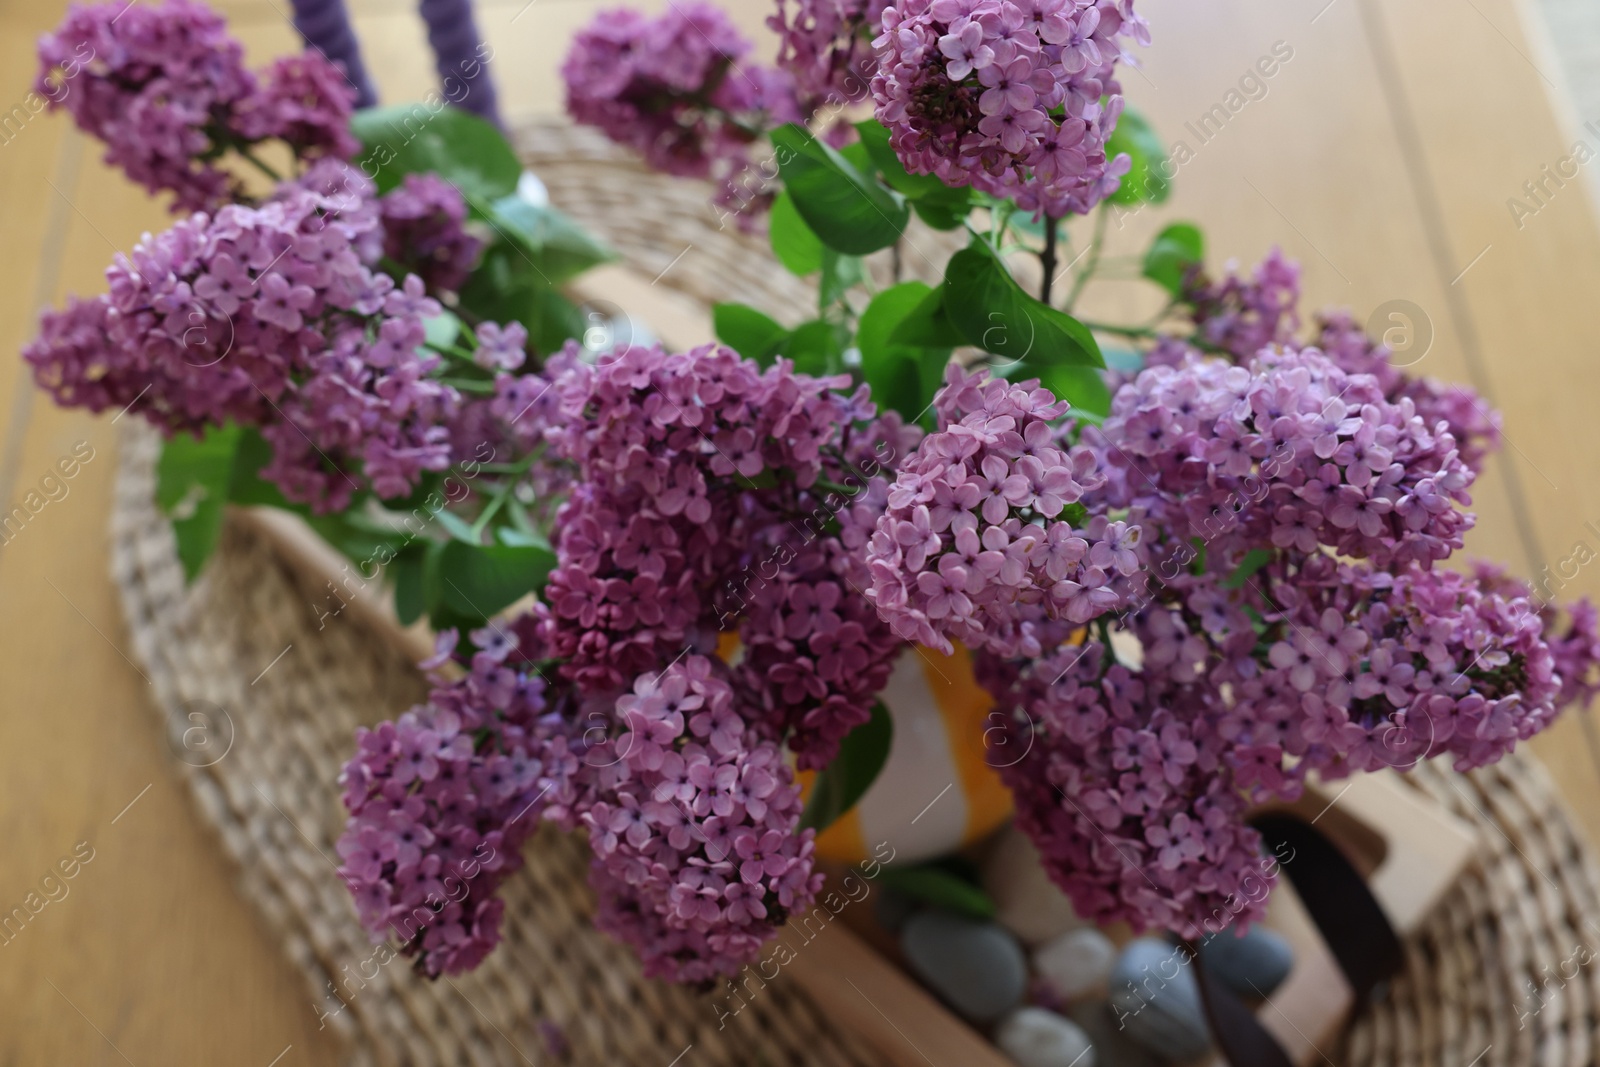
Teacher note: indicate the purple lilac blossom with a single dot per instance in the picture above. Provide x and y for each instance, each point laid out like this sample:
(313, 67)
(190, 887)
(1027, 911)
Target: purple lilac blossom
(1242, 316)
(826, 46)
(1289, 451)
(1016, 99)
(166, 89)
(704, 498)
(676, 88)
(692, 817)
(442, 799)
(698, 854)
(1285, 615)
(423, 232)
(268, 316)
(975, 545)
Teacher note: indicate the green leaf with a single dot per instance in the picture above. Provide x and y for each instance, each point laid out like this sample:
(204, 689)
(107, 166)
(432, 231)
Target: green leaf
(480, 580)
(1082, 386)
(458, 528)
(1175, 250)
(936, 203)
(1253, 561)
(461, 148)
(508, 287)
(903, 377)
(556, 247)
(410, 600)
(510, 535)
(839, 273)
(849, 211)
(1146, 179)
(432, 584)
(816, 347)
(928, 325)
(990, 309)
(193, 479)
(943, 216)
(251, 454)
(797, 248)
(841, 783)
(875, 141)
(855, 154)
(935, 885)
(889, 309)
(748, 332)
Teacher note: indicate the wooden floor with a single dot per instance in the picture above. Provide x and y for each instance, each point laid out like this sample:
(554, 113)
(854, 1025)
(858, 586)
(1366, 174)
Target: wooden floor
(1382, 154)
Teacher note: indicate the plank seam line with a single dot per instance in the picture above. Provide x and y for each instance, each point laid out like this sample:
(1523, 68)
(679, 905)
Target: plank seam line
(1436, 230)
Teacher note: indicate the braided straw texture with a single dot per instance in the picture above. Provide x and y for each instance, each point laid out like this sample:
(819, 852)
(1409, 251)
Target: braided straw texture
(1500, 975)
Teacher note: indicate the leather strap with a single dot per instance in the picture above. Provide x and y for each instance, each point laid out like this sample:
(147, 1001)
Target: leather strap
(1348, 916)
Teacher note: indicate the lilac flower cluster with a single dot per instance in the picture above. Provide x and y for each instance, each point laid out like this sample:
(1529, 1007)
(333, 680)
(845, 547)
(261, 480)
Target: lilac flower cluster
(1125, 791)
(826, 46)
(423, 232)
(1572, 632)
(676, 89)
(1241, 316)
(815, 652)
(1473, 424)
(697, 472)
(692, 815)
(1139, 788)
(268, 316)
(976, 543)
(442, 799)
(1016, 99)
(166, 89)
(1279, 613)
(697, 851)
(1289, 451)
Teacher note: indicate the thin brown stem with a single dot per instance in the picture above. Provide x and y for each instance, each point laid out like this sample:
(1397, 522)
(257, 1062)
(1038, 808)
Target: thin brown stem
(1047, 258)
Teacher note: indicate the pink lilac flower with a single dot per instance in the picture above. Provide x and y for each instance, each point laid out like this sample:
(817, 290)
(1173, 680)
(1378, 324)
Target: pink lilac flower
(272, 317)
(1572, 631)
(1285, 450)
(442, 799)
(692, 816)
(826, 46)
(423, 232)
(676, 88)
(1473, 424)
(1126, 792)
(1242, 316)
(1016, 99)
(977, 544)
(710, 495)
(1136, 785)
(698, 854)
(305, 102)
(166, 89)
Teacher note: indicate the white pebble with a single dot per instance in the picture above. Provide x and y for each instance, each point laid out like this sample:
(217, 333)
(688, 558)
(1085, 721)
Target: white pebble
(1035, 1037)
(1077, 963)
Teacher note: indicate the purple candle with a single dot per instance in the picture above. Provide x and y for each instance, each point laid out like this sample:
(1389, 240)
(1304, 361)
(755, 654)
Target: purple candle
(325, 26)
(461, 57)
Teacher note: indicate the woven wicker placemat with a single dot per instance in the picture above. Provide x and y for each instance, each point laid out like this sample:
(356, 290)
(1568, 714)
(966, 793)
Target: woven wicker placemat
(1502, 974)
